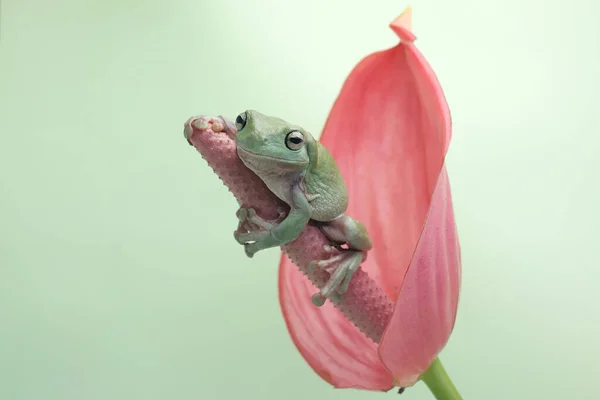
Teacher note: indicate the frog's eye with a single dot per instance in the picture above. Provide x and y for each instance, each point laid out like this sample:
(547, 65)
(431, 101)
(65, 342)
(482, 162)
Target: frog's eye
(240, 121)
(294, 140)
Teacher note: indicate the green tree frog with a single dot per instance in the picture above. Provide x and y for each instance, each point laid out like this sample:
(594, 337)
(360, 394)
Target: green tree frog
(300, 171)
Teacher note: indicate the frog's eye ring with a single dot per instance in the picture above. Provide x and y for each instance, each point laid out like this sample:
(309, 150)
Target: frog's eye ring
(294, 140)
(240, 121)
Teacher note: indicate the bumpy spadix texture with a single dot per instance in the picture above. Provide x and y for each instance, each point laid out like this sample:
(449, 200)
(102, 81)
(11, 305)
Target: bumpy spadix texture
(365, 303)
(389, 131)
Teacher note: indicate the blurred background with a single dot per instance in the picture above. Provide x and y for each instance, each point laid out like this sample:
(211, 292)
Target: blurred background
(120, 278)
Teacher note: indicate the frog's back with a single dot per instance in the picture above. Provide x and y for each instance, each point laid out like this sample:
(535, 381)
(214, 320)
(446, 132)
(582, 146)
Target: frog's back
(325, 185)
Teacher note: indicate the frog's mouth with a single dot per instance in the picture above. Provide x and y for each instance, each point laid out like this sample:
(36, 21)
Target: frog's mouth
(262, 162)
(261, 155)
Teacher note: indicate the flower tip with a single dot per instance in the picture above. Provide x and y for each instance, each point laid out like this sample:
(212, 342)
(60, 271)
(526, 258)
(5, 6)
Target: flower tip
(403, 26)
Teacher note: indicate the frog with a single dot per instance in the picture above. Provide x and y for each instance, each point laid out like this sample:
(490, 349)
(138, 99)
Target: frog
(300, 171)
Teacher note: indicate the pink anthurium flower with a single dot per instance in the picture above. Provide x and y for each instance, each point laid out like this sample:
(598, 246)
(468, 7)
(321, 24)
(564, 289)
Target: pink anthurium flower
(389, 131)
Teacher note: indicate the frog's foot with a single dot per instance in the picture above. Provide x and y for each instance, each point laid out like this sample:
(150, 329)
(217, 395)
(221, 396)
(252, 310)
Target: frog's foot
(204, 123)
(250, 221)
(253, 231)
(245, 224)
(341, 267)
(335, 256)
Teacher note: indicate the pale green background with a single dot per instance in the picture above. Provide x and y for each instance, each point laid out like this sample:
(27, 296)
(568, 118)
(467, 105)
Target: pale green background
(119, 275)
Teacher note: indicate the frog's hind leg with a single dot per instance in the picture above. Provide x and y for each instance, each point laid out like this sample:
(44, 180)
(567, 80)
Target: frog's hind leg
(345, 229)
(343, 265)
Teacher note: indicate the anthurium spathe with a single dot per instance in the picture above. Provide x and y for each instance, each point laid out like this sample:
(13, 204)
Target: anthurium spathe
(388, 131)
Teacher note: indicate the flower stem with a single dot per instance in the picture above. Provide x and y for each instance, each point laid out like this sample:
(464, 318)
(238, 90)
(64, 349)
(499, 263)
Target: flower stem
(438, 381)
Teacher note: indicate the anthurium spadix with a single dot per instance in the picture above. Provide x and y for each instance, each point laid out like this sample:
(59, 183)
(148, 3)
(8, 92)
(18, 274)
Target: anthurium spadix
(389, 131)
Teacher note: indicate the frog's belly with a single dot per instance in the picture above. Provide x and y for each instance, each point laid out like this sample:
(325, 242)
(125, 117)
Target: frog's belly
(282, 190)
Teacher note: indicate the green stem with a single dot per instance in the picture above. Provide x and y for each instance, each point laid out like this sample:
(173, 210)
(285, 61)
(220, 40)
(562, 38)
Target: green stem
(438, 381)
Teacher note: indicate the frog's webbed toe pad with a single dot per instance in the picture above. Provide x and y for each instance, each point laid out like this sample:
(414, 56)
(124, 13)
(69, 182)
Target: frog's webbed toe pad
(318, 299)
(244, 223)
(203, 123)
(341, 267)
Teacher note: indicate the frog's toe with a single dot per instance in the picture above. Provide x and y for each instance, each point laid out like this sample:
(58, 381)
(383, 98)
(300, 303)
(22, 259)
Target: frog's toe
(243, 237)
(351, 268)
(242, 214)
(202, 123)
(250, 249)
(342, 268)
(246, 223)
(218, 125)
(318, 299)
(328, 264)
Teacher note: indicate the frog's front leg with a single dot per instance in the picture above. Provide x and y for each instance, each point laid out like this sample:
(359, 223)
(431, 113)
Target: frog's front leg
(346, 262)
(275, 234)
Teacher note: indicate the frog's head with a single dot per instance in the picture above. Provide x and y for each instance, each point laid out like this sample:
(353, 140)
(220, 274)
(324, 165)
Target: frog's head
(271, 144)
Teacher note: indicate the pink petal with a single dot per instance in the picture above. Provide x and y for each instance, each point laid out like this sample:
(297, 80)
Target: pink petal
(426, 308)
(389, 131)
(332, 346)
